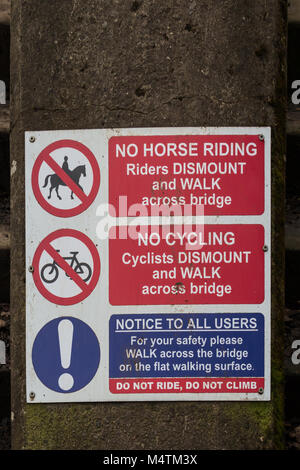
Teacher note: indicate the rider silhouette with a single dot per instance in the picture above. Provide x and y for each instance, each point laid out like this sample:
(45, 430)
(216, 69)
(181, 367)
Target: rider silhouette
(65, 165)
(56, 181)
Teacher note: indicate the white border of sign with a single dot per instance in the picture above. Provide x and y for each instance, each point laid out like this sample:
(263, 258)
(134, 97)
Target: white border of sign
(96, 310)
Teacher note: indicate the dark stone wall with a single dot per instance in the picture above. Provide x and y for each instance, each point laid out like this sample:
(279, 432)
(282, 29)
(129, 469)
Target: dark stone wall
(4, 217)
(125, 63)
(4, 56)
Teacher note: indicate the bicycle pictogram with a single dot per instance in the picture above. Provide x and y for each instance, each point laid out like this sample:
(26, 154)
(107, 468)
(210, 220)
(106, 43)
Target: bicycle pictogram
(50, 271)
(81, 264)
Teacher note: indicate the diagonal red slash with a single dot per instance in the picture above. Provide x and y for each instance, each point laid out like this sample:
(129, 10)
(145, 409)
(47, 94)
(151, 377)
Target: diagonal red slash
(65, 266)
(65, 177)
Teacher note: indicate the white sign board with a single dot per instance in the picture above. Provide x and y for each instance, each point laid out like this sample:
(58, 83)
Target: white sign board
(148, 264)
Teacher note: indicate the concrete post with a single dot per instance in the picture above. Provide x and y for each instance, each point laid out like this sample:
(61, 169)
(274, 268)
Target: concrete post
(124, 63)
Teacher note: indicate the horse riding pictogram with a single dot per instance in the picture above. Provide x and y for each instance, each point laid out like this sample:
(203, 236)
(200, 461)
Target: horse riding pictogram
(56, 181)
(60, 166)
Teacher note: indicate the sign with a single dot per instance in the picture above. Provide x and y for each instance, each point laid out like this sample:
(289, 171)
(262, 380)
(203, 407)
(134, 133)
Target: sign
(66, 354)
(225, 173)
(66, 267)
(154, 285)
(57, 178)
(194, 353)
(225, 267)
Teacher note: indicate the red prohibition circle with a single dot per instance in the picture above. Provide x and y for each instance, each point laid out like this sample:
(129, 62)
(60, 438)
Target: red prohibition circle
(87, 200)
(86, 289)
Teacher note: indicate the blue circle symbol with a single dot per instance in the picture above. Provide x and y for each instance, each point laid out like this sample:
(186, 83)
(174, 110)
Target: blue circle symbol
(66, 354)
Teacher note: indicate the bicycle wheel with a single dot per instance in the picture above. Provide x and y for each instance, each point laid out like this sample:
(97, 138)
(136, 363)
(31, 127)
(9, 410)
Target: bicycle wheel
(84, 271)
(49, 273)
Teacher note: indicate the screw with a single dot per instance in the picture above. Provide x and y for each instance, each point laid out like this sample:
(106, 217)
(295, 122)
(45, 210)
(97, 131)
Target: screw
(31, 269)
(32, 395)
(260, 390)
(261, 137)
(32, 139)
(265, 248)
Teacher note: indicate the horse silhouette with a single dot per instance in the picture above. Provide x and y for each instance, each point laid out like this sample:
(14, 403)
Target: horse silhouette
(56, 181)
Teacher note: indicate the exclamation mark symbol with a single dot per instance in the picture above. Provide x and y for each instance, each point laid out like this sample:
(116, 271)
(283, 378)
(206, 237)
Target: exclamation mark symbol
(65, 337)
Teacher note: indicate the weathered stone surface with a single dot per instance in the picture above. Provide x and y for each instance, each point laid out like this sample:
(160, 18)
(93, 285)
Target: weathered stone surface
(4, 164)
(4, 260)
(5, 11)
(294, 11)
(4, 119)
(123, 63)
(4, 58)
